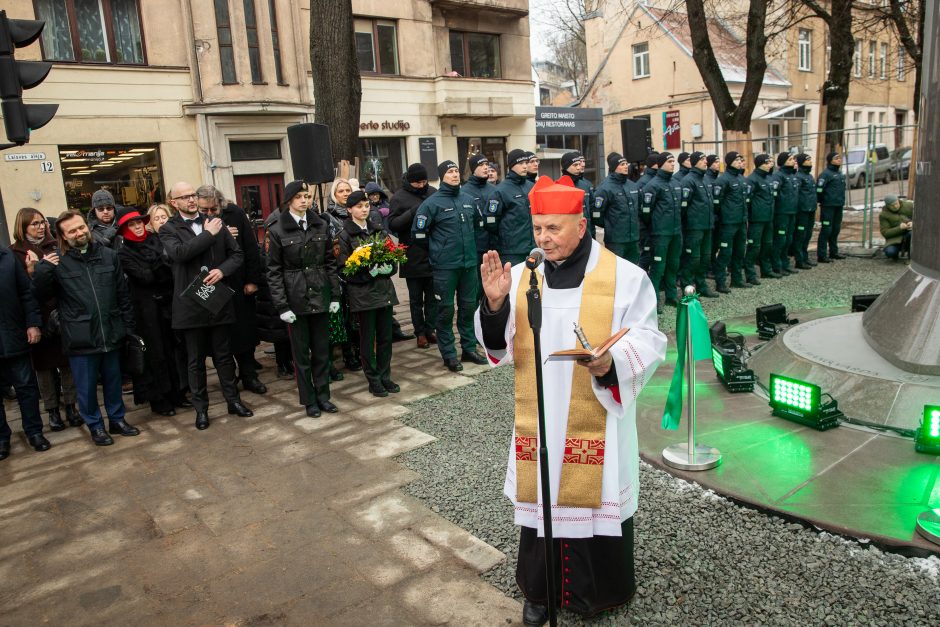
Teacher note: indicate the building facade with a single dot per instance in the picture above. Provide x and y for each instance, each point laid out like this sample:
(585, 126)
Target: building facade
(152, 92)
(640, 65)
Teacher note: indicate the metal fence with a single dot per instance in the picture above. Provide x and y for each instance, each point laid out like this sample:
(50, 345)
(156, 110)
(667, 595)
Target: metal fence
(883, 168)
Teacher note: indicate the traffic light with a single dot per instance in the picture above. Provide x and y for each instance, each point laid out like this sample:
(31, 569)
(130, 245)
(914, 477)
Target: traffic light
(15, 76)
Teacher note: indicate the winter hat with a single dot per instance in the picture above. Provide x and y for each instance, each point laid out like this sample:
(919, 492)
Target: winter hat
(759, 159)
(355, 184)
(801, 159)
(477, 160)
(695, 157)
(102, 198)
(517, 156)
(682, 157)
(569, 158)
(663, 158)
(374, 188)
(890, 199)
(710, 159)
(355, 198)
(832, 155)
(782, 159)
(416, 172)
(652, 159)
(444, 166)
(293, 188)
(531, 155)
(614, 159)
(730, 157)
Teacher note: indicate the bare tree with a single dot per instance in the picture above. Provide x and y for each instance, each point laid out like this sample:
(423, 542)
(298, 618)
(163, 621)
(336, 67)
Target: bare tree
(907, 19)
(567, 42)
(337, 84)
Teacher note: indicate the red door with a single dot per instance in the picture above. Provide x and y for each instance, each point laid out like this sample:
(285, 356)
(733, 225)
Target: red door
(259, 195)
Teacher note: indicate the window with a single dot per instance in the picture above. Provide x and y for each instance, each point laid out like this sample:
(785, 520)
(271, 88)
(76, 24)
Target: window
(902, 62)
(376, 46)
(806, 50)
(278, 74)
(475, 54)
(254, 53)
(641, 60)
(883, 62)
(382, 161)
(871, 59)
(91, 31)
(255, 150)
(223, 29)
(545, 96)
(130, 172)
(857, 59)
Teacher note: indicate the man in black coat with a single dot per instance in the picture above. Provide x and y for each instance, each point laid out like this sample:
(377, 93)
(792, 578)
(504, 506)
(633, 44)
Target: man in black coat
(417, 270)
(95, 317)
(244, 281)
(20, 323)
(193, 242)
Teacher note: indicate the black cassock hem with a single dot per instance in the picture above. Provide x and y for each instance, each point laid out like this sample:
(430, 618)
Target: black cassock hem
(592, 574)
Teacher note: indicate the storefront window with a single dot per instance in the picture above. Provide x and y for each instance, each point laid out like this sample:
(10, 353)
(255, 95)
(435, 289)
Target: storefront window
(382, 161)
(130, 172)
(494, 148)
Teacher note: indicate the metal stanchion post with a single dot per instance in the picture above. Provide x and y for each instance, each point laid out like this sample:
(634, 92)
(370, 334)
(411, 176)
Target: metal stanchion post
(691, 455)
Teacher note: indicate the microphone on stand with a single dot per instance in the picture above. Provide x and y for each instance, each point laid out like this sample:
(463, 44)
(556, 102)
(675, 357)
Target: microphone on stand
(535, 258)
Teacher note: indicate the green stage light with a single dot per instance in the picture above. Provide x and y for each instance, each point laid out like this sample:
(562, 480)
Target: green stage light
(719, 360)
(732, 372)
(801, 402)
(927, 439)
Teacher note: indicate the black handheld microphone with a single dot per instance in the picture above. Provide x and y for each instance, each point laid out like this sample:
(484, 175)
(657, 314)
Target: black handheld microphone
(535, 258)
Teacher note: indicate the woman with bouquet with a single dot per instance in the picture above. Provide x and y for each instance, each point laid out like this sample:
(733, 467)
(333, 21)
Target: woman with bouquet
(367, 259)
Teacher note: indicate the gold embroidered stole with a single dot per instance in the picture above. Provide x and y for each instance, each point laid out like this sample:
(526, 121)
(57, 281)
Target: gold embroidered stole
(583, 460)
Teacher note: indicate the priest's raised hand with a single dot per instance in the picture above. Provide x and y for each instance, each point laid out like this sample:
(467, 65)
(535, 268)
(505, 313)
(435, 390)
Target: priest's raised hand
(497, 279)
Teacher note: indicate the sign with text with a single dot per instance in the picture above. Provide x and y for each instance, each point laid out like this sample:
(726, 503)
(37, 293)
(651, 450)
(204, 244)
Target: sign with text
(25, 156)
(427, 149)
(568, 120)
(671, 139)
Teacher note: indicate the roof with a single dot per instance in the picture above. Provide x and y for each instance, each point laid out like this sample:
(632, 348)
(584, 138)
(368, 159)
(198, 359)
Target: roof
(730, 51)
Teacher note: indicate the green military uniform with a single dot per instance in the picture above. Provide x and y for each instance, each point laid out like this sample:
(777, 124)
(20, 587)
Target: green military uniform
(448, 221)
(617, 204)
(646, 250)
(486, 202)
(731, 195)
(830, 191)
(662, 208)
(805, 214)
(711, 179)
(698, 218)
(785, 209)
(760, 200)
(513, 224)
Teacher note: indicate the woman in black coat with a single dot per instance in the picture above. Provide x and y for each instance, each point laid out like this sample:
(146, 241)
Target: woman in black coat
(150, 280)
(371, 296)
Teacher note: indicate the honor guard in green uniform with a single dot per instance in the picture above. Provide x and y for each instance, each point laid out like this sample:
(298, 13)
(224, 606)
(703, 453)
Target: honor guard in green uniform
(572, 165)
(731, 195)
(532, 168)
(805, 214)
(788, 198)
(685, 165)
(649, 173)
(762, 192)
(513, 220)
(485, 201)
(698, 218)
(830, 191)
(448, 221)
(617, 203)
(662, 209)
(711, 178)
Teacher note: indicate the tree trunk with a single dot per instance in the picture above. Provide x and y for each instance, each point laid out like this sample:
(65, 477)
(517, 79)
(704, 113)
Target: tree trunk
(836, 87)
(337, 85)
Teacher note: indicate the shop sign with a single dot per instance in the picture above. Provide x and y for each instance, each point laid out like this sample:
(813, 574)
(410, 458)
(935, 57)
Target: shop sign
(671, 127)
(568, 120)
(427, 148)
(372, 125)
(25, 156)
(90, 155)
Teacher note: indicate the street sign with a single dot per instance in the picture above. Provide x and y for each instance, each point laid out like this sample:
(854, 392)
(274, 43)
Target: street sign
(25, 156)
(47, 166)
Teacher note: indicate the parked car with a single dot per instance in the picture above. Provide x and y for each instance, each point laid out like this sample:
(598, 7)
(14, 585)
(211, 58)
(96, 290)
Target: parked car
(902, 163)
(855, 168)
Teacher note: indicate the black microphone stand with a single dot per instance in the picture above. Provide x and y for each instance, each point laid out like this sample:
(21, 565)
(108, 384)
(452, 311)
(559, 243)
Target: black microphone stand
(534, 299)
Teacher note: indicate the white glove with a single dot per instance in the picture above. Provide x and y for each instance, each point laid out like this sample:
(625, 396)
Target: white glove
(374, 270)
(289, 317)
(385, 268)
(334, 307)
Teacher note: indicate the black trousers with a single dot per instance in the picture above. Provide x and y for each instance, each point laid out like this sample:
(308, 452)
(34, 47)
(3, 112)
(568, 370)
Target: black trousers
(310, 345)
(625, 250)
(805, 221)
(646, 248)
(422, 303)
(18, 372)
(201, 343)
(247, 371)
(828, 243)
(784, 226)
(696, 251)
(375, 344)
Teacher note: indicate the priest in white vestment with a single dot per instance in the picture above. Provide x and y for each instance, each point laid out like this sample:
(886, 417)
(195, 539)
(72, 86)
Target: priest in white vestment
(590, 406)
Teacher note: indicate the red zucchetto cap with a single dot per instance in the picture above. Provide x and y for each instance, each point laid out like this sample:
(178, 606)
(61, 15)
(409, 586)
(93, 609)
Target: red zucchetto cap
(548, 197)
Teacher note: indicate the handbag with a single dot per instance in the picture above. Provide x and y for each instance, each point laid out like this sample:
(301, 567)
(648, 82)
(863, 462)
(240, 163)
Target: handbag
(135, 355)
(212, 297)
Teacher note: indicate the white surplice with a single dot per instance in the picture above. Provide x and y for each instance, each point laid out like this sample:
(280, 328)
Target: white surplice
(636, 356)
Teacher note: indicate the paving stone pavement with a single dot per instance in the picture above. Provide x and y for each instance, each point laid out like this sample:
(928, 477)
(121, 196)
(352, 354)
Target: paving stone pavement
(274, 519)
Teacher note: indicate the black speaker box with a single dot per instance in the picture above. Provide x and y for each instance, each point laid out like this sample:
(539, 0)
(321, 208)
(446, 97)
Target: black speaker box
(635, 135)
(311, 152)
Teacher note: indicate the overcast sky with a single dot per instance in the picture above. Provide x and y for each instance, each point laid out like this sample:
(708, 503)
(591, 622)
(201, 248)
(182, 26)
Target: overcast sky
(538, 30)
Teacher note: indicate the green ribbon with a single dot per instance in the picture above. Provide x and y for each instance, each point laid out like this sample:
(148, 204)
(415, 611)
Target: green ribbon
(701, 349)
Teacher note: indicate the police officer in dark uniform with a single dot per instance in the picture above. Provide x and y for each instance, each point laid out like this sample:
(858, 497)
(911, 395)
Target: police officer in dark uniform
(617, 203)
(788, 197)
(485, 201)
(806, 212)
(513, 219)
(731, 194)
(830, 190)
(448, 220)
(532, 167)
(760, 238)
(711, 178)
(685, 165)
(698, 218)
(662, 208)
(572, 164)
(649, 173)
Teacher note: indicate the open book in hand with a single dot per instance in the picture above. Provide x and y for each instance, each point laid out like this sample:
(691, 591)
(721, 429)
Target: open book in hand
(585, 354)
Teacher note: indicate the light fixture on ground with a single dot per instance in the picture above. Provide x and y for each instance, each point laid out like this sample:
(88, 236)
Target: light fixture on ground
(927, 439)
(801, 402)
(728, 359)
(770, 320)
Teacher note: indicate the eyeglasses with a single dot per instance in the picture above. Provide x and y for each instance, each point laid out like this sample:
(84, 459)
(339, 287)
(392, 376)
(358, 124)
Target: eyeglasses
(37, 223)
(186, 197)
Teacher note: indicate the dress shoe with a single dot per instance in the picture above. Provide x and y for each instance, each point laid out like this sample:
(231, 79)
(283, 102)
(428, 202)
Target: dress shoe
(336, 375)
(239, 409)
(790, 271)
(432, 337)
(391, 386)
(708, 292)
(202, 420)
(423, 342)
(722, 289)
(378, 390)
(121, 427)
(55, 420)
(753, 280)
(823, 260)
(73, 417)
(473, 357)
(400, 336)
(771, 275)
(313, 411)
(837, 256)
(453, 365)
(811, 263)
(4, 449)
(328, 407)
(534, 615)
(38, 442)
(255, 386)
(100, 437)
(740, 285)
(804, 266)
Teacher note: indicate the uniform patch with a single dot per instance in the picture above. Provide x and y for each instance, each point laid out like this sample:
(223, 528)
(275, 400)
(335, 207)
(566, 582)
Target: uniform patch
(685, 204)
(688, 251)
(446, 209)
(492, 206)
(646, 209)
(781, 232)
(750, 241)
(657, 258)
(420, 235)
(599, 202)
(685, 192)
(596, 214)
(647, 197)
(421, 222)
(801, 228)
(825, 223)
(724, 244)
(646, 248)
(490, 220)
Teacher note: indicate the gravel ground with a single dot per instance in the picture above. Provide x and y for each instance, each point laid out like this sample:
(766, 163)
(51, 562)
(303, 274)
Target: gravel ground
(700, 558)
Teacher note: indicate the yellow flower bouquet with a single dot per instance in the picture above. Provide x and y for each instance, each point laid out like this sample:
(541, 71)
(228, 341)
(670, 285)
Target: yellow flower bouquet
(377, 250)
